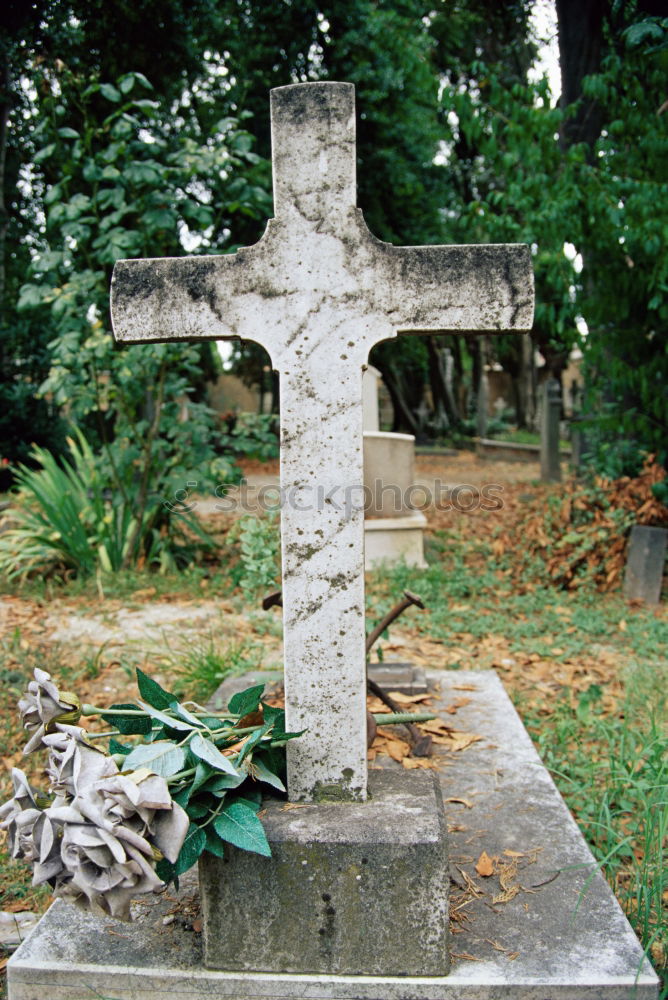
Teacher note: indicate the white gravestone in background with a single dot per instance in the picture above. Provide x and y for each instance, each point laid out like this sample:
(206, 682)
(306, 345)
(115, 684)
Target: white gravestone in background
(317, 292)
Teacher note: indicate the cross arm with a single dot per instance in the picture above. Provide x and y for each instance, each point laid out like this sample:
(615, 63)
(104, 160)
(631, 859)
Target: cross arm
(464, 288)
(173, 298)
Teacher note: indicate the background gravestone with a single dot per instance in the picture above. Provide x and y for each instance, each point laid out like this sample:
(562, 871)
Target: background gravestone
(550, 465)
(645, 564)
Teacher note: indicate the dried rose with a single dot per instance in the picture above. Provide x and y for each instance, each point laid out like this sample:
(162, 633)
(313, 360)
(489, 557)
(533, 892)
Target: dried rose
(73, 762)
(47, 862)
(113, 833)
(18, 816)
(43, 705)
(103, 874)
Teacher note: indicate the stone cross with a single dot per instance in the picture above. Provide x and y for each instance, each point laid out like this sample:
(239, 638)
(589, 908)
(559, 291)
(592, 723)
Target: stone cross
(317, 292)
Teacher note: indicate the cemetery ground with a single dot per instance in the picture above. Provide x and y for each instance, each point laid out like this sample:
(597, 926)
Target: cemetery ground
(531, 590)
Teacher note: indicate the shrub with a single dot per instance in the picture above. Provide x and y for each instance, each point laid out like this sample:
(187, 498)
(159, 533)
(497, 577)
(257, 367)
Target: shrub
(70, 519)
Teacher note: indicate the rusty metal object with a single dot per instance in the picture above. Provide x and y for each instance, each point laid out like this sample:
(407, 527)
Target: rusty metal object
(371, 729)
(391, 615)
(274, 600)
(422, 743)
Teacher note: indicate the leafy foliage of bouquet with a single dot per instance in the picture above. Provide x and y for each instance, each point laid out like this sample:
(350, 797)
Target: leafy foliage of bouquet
(173, 782)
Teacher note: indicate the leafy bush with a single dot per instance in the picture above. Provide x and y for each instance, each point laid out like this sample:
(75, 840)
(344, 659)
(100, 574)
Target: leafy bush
(121, 181)
(260, 553)
(256, 435)
(69, 518)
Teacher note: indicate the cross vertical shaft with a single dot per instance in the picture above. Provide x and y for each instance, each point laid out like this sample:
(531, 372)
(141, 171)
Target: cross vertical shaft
(322, 529)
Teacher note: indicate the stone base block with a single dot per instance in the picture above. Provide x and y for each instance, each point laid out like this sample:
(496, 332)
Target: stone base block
(321, 902)
(407, 678)
(395, 539)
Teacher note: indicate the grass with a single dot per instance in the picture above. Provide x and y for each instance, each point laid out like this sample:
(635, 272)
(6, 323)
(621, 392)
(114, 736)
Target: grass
(612, 771)
(196, 669)
(517, 436)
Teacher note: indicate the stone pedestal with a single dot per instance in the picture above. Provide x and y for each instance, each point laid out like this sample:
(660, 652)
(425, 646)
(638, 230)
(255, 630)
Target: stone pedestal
(395, 539)
(393, 529)
(389, 473)
(320, 903)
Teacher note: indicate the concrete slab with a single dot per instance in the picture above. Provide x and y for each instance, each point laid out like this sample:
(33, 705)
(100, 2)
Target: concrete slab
(563, 935)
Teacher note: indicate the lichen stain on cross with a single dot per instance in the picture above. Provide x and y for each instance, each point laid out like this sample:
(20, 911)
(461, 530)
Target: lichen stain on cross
(317, 292)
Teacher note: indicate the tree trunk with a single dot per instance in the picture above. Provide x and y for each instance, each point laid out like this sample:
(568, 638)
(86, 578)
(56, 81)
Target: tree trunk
(482, 389)
(525, 386)
(581, 24)
(5, 99)
(445, 409)
(404, 415)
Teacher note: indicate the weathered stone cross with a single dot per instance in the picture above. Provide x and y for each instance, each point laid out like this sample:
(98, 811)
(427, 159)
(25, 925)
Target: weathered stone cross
(318, 291)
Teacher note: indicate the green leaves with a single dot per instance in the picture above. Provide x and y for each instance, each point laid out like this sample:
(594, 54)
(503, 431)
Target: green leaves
(262, 773)
(167, 720)
(245, 702)
(110, 92)
(238, 824)
(207, 751)
(193, 846)
(162, 757)
(152, 692)
(128, 725)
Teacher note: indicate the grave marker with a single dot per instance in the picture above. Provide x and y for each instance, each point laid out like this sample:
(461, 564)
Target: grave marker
(318, 291)
(645, 564)
(550, 460)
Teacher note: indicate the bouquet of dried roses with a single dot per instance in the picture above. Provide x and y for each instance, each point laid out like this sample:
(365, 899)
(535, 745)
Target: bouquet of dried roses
(173, 781)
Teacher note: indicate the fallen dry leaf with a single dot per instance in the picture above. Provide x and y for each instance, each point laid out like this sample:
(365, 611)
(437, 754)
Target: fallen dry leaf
(459, 703)
(410, 699)
(460, 741)
(426, 763)
(16, 907)
(507, 895)
(484, 865)
(463, 802)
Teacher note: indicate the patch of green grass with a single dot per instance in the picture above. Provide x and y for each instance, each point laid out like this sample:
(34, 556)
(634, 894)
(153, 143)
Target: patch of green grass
(198, 668)
(612, 772)
(462, 598)
(517, 436)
